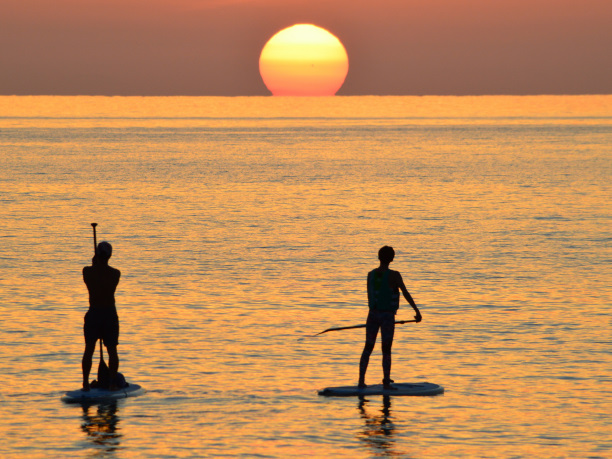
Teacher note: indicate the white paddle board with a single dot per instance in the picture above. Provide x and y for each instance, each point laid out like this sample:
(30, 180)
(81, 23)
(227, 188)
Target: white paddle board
(102, 395)
(423, 388)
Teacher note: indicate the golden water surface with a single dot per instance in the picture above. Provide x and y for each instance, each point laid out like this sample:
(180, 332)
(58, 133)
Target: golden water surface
(243, 226)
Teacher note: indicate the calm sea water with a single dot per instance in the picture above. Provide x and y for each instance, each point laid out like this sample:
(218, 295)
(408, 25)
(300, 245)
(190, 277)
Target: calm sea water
(243, 226)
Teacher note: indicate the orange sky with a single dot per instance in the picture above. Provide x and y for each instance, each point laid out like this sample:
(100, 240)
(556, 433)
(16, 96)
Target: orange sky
(211, 47)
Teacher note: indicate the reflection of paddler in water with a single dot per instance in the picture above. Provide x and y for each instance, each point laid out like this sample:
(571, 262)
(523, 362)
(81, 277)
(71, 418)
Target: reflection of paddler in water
(379, 429)
(384, 285)
(101, 320)
(101, 426)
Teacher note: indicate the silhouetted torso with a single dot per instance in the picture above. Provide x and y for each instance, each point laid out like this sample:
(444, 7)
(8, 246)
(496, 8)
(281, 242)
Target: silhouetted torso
(383, 290)
(101, 281)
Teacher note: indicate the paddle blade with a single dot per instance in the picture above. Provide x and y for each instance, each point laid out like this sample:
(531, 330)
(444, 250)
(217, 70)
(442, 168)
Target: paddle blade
(358, 326)
(340, 328)
(103, 371)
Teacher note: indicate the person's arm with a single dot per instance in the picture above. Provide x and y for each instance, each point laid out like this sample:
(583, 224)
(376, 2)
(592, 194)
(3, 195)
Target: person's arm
(368, 289)
(406, 293)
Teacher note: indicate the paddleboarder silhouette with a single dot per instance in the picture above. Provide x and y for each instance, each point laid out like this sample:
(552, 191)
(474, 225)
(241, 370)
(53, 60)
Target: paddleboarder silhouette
(101, 320)
(384, 286)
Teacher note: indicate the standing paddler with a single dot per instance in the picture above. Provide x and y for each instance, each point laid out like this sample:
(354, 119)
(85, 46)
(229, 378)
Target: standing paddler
(101, 320)
(384, 285)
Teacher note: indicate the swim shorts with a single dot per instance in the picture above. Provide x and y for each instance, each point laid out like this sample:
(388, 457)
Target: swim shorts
(383, 320)
(101, 326)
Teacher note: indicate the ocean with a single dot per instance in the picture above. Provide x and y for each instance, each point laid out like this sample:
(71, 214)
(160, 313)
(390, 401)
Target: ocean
(244, 226)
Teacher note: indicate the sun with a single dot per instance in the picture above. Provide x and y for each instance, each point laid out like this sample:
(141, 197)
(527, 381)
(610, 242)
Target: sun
(303, 60)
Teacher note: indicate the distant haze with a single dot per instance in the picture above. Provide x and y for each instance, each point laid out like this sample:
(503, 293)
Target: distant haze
(395, 47)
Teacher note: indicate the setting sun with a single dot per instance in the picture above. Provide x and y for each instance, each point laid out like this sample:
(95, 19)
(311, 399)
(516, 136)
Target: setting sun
(303, 60)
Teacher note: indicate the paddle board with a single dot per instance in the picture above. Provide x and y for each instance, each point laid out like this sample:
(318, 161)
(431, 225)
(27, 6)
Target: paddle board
(423, 388)
(102, 395)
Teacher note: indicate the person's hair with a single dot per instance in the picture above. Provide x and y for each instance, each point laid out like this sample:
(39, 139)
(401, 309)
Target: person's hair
(104, 250)
(386, 254)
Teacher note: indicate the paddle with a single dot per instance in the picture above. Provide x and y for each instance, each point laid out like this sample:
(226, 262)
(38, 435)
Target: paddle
(95, 242)
(399, 322)
(103, 370)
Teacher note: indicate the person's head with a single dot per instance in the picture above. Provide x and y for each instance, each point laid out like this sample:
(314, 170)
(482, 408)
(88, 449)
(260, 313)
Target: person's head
(104, 251)
(386, 254)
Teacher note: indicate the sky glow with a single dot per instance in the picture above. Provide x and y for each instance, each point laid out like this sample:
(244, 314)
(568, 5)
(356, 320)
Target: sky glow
(396, 47)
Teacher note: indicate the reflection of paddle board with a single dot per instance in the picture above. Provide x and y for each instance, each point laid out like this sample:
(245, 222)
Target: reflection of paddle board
(423, 388)
(102, 395)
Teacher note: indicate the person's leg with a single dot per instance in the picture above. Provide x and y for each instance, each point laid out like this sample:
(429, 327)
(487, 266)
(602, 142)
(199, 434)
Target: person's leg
(113, 366)
(111, 340)
(90, 347)
(371, 333)
(387, 331)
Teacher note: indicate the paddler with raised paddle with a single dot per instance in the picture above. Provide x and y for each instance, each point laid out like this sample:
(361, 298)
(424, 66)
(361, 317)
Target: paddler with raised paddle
(101, 320)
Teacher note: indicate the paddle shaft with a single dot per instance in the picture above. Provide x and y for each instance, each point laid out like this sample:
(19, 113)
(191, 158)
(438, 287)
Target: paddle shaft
(95, 241)
(94, 234)
(102, 362)
(399, 322)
